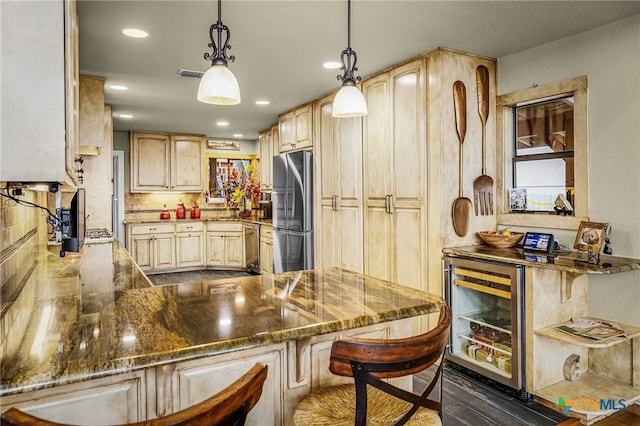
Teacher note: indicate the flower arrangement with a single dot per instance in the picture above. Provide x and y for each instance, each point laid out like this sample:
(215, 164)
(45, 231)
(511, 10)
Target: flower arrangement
(243, 186)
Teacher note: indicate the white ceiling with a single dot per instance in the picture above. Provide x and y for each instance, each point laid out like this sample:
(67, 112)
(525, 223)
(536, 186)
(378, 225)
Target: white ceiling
(280, 47)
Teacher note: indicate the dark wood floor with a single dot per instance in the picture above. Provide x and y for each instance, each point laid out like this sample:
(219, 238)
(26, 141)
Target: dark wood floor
(472, 403)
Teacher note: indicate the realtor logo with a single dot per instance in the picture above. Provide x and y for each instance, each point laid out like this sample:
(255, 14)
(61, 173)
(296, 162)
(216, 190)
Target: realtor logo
(586, 404)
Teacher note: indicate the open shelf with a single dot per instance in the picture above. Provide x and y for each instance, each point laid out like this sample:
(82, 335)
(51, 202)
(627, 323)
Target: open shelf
(589, 387)
(553, 333)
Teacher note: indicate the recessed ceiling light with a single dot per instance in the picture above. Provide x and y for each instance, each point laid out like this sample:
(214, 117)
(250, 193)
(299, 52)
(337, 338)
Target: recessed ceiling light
(125, 116)
(237, 135)
(332, 65)
(262, 102)
(222, 123)
(118, 87)
(135, 33)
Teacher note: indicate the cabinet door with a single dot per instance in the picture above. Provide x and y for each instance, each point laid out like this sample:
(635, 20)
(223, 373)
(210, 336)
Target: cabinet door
(409, 174)
(190, 249)
(150, 155)
(187, 163)
(266, 257)
(199, 380)
(287, 131)
(141, 248)
(215, 248)
(91, 114)
(234, 249)
(164, 246)
(377, 182)
(266, 146)
(113, 400)
(303, 120)
(275, 148)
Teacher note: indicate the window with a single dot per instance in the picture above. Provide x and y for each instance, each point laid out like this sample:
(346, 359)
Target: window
(543, 153)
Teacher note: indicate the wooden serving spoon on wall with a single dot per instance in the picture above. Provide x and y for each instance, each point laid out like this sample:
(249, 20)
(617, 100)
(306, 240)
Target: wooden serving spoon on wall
(461, 209)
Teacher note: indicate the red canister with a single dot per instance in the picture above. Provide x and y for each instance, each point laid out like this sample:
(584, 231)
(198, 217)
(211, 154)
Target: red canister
(195, 212)
(181, 211)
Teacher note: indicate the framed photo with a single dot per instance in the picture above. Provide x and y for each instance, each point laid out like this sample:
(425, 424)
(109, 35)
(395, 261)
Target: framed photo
(221, 144)
(590, 236)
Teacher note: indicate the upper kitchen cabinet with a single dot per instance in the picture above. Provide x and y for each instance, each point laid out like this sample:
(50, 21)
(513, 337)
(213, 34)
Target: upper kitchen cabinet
(91, 115)
(39, 92)
(296, 128)
(269, 146)
(166, 162)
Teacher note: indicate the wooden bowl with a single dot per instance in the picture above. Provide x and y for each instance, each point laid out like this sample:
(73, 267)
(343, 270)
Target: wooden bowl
(499, 240)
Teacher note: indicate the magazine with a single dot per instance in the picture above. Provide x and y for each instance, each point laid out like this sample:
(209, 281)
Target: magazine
(592, 329)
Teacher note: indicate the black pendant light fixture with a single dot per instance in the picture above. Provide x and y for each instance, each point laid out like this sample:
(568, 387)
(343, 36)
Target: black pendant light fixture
(349, 101)
(218, 85)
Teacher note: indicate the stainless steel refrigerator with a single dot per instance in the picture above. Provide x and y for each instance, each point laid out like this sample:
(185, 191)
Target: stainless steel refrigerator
(292, 210)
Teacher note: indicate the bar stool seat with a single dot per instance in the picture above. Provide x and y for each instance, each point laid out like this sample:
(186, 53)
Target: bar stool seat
(336, 407)
(371, 400)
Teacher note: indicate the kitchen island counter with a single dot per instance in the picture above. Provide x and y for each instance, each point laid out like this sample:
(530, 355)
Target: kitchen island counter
(83, 328)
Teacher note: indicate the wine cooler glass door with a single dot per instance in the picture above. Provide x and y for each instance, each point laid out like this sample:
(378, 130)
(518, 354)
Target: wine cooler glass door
(487, 305)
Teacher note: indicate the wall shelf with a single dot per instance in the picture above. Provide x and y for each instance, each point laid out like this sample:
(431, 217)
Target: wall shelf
(553, 333)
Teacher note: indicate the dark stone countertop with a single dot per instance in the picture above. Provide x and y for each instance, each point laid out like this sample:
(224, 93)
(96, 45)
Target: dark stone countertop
(569, 262)
(102, 317)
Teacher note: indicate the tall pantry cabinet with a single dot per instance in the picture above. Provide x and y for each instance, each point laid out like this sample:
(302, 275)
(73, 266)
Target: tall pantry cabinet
(395, 167)
(338, 151)
(410, 165)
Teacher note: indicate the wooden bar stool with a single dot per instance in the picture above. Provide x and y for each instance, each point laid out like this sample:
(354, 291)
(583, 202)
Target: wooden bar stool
(369, 361)
(230, 406)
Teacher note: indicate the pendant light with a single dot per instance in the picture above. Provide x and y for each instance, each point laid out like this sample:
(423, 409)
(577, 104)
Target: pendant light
(349, 101)
(218, 85)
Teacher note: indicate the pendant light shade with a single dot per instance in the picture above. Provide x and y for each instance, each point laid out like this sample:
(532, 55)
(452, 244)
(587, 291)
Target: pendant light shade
(349, 101)
(218, 85)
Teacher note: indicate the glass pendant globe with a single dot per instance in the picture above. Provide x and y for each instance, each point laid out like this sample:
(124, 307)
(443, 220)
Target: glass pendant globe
(349, 102)
(219, 86)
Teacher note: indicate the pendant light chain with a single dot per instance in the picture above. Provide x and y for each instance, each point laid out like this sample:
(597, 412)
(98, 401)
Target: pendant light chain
(349, 77)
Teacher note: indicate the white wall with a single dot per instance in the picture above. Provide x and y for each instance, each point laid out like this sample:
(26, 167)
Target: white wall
(610, 58)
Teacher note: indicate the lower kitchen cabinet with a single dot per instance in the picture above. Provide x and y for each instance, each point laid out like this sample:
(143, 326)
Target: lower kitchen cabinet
(266, 249)
(153, 247)
(225, 244)
(198, 380)
(190, 247)
(117, 399)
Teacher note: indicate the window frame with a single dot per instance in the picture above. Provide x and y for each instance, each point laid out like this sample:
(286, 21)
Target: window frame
(576, 87)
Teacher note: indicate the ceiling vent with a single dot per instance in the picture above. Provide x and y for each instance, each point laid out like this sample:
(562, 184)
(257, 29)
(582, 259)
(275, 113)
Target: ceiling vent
(189, 73)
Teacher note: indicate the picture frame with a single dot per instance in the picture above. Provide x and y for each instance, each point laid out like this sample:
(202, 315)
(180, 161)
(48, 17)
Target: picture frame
(223, 144)
(590, 237)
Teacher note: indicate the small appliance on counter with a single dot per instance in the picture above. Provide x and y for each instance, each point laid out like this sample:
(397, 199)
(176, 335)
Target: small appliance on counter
(265, 206)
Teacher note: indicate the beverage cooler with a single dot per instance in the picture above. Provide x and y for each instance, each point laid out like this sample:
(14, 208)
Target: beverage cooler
(487, 333)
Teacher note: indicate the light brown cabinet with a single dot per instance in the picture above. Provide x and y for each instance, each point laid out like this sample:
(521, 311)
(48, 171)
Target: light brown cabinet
(190, 247)
(296, 129)
(166, 162)
(153, 246)
(266, 249)
(269, 146)
(338, 153)
(91, 124)
(394, 164)
(39, 92)
(225, 244)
